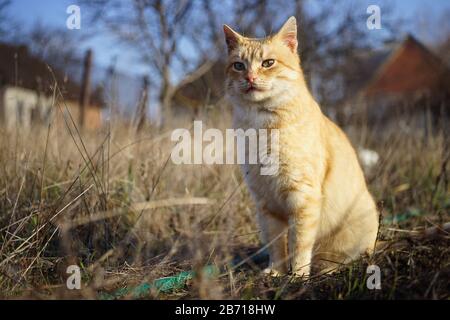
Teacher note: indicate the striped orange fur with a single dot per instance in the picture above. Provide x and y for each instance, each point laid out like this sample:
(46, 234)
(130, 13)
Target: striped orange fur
(316, 211)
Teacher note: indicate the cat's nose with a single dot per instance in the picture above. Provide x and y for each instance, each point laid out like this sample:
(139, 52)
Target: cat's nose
(250, 78)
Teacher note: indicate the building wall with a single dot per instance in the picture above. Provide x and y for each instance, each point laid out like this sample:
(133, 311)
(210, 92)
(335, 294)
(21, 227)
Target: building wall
(19, 106)
(92, 115)
(23, 107)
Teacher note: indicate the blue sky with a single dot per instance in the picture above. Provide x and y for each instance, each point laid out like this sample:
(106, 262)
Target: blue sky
(424, 18)
(53, 13)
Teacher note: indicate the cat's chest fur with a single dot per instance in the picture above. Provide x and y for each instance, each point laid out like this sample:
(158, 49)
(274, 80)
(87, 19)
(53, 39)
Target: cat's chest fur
(272, 191)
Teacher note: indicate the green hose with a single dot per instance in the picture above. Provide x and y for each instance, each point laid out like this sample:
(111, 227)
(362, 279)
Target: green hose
(164, 285)
(169, 284)
(410, 213)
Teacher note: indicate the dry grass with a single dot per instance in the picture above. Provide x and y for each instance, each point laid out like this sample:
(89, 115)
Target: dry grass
(113, 203)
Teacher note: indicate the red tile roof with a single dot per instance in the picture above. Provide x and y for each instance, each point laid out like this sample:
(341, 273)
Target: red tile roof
(410, 68)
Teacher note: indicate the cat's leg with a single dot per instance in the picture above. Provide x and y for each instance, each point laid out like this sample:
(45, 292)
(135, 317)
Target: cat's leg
(274, 236)
(303, 228)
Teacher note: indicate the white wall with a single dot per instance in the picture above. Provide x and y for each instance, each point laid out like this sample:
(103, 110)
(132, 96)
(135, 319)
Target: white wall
(19, 106)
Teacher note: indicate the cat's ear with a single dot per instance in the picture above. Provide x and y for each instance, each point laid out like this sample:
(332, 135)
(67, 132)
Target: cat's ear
(232, 38)
(288, 34)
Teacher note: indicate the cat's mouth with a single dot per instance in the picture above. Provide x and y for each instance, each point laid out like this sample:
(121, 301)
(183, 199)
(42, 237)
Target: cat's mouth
(252, 88)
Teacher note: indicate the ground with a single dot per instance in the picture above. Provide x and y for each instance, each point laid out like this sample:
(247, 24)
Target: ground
(113, 203)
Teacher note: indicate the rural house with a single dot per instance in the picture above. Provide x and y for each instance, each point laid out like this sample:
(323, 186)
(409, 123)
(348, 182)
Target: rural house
(26, 92)
(206, 90)
(405, 79)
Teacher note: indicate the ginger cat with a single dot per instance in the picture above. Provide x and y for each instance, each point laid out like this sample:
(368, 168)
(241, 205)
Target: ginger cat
(316, 211)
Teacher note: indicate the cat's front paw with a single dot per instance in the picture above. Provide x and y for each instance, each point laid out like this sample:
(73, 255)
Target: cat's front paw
(302, 273)
(272, 272)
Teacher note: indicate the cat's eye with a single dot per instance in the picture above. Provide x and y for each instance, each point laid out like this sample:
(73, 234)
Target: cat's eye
(239, 66)
(268, 63)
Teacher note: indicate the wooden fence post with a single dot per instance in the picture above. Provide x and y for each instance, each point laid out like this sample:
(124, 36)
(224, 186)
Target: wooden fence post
(85, 87)
(142, 107)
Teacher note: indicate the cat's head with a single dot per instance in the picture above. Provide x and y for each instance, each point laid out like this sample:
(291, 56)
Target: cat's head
(261, 69)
